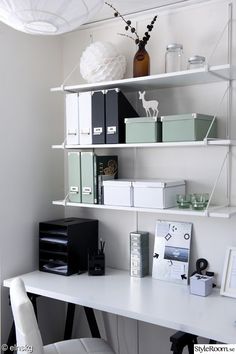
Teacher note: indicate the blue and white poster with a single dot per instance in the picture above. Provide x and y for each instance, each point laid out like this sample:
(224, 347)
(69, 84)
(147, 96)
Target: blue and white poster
(172, 251)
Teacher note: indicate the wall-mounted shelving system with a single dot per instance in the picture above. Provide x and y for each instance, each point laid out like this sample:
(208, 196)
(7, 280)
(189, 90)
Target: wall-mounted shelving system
(206, 75)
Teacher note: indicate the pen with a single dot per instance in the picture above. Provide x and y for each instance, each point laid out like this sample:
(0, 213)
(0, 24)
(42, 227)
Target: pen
(102, 246)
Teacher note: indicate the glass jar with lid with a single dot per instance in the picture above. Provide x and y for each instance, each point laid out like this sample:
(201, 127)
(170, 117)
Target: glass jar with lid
(173, 57)
(196, 62)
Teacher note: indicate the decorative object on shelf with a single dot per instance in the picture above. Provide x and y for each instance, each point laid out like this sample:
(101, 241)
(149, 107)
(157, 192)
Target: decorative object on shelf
(198, 201)
(101, 62)
(141, 62)
(171, 251)
(184, 200)
(173, 57)
(196, 62)
(47, 17)
(228, 284)
(149, 106)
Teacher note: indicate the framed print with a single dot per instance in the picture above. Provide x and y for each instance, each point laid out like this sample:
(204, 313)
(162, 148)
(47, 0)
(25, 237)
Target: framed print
(171, 251)
(228, 284)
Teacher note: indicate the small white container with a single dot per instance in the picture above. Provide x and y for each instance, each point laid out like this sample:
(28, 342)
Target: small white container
(201, 285)
(173, 57)
(158, 194)
(118, 192)
(196, 62)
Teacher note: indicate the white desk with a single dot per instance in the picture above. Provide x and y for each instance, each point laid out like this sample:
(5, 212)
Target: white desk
(146, 299)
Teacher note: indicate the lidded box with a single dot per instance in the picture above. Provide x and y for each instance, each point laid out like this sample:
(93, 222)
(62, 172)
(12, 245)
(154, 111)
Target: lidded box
(187, 127)
(155, 193)
(201, 284)
(143, 130)
(118, 192)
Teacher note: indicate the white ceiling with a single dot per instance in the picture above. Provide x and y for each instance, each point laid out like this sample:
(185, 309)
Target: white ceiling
(131, 6)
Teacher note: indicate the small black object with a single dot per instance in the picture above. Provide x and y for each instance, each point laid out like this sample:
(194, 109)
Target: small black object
(211, 274)
(201, 265)
(96, 263)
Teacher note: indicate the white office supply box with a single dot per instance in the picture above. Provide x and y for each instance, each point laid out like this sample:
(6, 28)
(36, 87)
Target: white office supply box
(158, 194)
(201, 284)
(118, 192)
(72, 119)
(85, 118)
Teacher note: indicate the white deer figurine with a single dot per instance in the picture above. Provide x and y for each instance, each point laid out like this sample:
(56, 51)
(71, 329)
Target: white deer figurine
(149, 105)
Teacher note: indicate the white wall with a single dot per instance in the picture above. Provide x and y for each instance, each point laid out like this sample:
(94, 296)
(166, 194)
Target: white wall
(198, 28)
(31, 120)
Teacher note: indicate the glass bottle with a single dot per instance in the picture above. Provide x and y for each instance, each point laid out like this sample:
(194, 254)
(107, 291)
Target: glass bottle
(141, 62)
(196, 62)
(173, 57)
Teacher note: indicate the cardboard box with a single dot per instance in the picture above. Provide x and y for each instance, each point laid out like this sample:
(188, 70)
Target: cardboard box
(159, 194)
(143, 130)
(187, 127)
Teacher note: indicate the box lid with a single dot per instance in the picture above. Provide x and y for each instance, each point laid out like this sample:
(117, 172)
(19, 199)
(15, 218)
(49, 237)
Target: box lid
(186, 116)
(142, 120)
(157, 183)
(117, 183)
(201, 277)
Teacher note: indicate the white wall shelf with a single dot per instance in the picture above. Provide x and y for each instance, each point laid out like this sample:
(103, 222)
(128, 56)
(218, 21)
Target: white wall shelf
(181, 78)
(213, 211)
(212, 142)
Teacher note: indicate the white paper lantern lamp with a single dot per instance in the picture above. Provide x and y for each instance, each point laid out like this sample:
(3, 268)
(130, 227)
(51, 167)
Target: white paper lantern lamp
(47, 17)
(101, 62)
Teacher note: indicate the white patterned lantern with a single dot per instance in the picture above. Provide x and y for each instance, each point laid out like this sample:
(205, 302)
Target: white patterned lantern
(101, 62)
(48, 17)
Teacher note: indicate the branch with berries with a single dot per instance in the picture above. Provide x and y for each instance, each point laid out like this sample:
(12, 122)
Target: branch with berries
(141, 42)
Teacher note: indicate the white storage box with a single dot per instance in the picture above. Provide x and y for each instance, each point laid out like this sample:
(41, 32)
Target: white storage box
(158, 194)
(118, 192)
(201, 285)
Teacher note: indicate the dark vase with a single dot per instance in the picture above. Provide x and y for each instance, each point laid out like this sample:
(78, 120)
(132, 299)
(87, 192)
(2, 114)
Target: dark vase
(141, 64)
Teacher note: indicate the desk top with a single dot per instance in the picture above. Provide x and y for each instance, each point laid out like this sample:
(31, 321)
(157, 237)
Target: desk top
(144, 299)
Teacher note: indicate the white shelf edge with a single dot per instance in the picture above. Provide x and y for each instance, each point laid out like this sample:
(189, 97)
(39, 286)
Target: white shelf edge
(185, 77)
(225, 212)
(215, 142)
(60, 146)
(214, 211)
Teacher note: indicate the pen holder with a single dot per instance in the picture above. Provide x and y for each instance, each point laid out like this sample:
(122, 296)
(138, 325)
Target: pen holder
(96, 264)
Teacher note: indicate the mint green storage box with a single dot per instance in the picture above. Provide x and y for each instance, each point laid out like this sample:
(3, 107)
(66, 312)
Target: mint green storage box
(143, 130)
(187, 127)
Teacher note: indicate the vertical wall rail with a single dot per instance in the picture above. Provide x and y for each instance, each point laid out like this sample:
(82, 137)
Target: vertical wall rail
(229, 101)
(135, 176)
